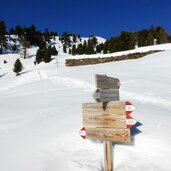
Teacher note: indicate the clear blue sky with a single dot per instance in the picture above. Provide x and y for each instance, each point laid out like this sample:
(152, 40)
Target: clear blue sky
(104, 18)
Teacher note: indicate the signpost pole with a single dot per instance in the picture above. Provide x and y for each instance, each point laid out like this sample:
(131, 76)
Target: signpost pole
(108, 155)
(105, 82)
(57, 61)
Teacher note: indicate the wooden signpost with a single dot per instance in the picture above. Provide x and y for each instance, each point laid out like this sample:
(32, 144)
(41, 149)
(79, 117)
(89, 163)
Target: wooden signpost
(108, 120)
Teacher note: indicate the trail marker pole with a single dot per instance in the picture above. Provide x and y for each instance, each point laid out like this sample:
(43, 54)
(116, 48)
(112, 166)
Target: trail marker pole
(57, 62)
(106, 83)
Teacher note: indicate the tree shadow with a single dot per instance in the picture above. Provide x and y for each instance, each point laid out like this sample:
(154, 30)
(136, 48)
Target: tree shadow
(4, 74)
(52, 59)
(21, 73)
(30, 56)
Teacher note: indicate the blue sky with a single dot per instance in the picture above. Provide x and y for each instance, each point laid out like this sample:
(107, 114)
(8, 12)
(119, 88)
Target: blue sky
(104, 18)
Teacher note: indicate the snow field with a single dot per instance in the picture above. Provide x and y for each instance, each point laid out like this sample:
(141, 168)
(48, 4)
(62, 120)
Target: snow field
(41, 114)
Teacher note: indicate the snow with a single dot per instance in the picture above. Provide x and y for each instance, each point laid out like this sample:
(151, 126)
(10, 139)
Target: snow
(41, 114)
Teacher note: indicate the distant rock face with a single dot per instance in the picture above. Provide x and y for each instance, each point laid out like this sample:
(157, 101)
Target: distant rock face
(91, 61)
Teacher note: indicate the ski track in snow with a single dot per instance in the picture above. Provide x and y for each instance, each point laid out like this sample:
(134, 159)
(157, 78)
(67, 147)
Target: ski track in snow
(148, 99)
(36, 76)
(74, 83)
(80, 84)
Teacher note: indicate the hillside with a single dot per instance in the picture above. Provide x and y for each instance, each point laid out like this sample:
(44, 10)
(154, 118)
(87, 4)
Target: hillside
(41, 115)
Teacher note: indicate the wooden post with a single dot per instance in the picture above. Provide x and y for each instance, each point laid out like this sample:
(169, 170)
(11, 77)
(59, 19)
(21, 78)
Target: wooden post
(105, 82)
(108, 155)
(57, 61)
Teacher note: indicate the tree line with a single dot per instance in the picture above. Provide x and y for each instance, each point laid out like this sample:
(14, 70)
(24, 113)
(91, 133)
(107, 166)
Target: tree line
(131, 40)
(124, 41)
(73, 44)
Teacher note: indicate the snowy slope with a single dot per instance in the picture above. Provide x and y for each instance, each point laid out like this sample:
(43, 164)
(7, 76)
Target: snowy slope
(41, 115)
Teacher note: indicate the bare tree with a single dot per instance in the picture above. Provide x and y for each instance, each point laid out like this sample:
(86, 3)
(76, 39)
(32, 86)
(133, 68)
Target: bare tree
(24, 47)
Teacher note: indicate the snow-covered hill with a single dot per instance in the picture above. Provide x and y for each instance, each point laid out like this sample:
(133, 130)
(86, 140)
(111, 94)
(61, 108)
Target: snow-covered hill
(41, 114)
(14, 40)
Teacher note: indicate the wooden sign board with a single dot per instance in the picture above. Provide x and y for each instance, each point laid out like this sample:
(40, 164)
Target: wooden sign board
(108, 134)
(105, 121)
(105, 82)
(113, 107)
(106, 95)
(108, 121)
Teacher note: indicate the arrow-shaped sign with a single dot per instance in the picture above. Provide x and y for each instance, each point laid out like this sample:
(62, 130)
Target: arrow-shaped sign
(106, 95)
(130, 122)
(129, 107)
(113, 107)
(107, 134)
(83, 133)
(108, 121)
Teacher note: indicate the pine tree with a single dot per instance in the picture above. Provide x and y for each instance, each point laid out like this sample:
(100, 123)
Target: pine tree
(74, 38)
(39, 56)
(150, 39)
(70, 51)
(79, 37)
(64, 48)
(30, 33)
(12, 31)
(47, 35)
(85, 47)
(38, 38)
(142, 38)
(3, 41)
(42, 45)
(90, 49)
(14, 48)
(94, 41)
(18, 67)
(24, 47)
(5, 62)
(19, 30)
(66, 38)
(80, 49)
(98, 50)
(162, 36)
(47, 55)
(105, 48)
(73, 50)
(54, 51)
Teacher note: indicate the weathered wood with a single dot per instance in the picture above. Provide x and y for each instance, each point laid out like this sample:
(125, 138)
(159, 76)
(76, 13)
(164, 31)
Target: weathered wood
(108, 134)
(106, 95)
(113, 107)
(105, 82)
(105, 121)
(97, 108)
(108, 155)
